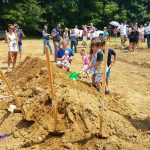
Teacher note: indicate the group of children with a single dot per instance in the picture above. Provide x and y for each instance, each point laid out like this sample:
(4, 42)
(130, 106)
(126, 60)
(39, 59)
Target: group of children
(93, 63)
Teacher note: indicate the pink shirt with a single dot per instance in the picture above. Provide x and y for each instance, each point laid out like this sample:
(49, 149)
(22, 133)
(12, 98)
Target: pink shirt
(84, 31)
(85, 60)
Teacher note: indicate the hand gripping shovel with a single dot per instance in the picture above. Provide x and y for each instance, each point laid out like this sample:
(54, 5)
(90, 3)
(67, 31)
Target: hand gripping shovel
(51, 81)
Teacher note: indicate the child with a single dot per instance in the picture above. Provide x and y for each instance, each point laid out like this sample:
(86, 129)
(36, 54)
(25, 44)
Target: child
(106, 34)
(65, 61)
(96, 45)
(110, 62)
(85, 59)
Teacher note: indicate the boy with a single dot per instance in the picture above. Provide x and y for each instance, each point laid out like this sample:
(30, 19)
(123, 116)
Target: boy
(110, 62)
(96, 47)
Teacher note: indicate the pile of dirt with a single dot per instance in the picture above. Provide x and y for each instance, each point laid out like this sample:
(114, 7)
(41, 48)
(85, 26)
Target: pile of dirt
(78, 114)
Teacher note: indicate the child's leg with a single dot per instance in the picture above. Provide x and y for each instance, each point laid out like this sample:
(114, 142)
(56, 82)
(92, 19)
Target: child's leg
(99, 86)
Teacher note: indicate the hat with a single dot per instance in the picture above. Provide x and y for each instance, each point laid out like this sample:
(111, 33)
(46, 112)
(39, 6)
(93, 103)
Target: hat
(105, 27)
(10, 26)
(11, 108)
(66, 52)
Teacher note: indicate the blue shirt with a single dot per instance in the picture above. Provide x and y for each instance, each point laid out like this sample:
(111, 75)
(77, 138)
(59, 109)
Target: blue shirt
(44, 34)
(61, 52)
(58, 36)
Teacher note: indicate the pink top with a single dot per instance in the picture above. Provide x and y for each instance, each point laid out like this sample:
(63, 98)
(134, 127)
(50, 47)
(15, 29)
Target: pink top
(85, 60)
(65, 59)
(84, 31)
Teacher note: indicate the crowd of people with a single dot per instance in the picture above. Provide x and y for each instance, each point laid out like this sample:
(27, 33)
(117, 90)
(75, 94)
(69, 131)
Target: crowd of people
(134, 33)
(64, 54)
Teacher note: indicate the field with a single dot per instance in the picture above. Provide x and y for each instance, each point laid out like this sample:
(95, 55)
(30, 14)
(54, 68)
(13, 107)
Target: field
(126, 115)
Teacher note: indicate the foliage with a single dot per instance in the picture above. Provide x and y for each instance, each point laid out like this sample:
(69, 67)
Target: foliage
(31, 15)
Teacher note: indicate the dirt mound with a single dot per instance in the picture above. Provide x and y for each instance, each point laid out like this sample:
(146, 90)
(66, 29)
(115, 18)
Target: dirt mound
(78, 114)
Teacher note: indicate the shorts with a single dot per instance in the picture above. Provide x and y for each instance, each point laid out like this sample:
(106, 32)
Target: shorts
(20, 46)
(93, 70)
(108, 73)
(84, 67)
(98, 77)
(84, 38)
(123, 37)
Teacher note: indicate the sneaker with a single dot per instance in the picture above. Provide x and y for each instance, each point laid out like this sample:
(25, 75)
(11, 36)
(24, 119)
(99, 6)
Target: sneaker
(94, 85)
(107, 92)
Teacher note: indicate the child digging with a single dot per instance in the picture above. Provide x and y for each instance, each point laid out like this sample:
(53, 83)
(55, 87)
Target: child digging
(110, 62)
(96, 47)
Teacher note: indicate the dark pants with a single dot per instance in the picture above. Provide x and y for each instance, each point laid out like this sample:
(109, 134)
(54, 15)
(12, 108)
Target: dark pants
(74, 44)
(148, 40)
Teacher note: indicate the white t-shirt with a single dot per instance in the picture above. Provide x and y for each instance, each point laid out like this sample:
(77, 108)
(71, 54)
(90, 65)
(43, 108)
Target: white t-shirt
(123, 29)
(147, 29)
(12, 42)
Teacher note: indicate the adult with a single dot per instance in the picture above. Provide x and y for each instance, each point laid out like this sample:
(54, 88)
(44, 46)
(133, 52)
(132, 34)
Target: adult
(148, 35)
(62, 50)
(57, 37)
(77, 31)
(73, 40)
(12, 39)
(66, 35)
(145, 33)
(46, 38)
(91, 30)
(123, 33)
(141, 33)
(84, 34)
(20, 35)
(133, 37)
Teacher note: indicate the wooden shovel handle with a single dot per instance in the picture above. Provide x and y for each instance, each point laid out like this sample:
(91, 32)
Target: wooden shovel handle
(103, 89)
(17, 101)
(50, 75)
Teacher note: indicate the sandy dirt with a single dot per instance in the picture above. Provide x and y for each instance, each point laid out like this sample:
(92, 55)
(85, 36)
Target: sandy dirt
(126, 114)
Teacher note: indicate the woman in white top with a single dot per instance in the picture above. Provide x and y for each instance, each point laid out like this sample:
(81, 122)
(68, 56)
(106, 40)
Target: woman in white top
(12, 41)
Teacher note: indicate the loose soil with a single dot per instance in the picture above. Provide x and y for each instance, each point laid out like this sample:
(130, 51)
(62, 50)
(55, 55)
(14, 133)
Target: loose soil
(126, 113)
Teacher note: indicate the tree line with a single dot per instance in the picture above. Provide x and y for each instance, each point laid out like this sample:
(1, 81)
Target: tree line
(31, 15)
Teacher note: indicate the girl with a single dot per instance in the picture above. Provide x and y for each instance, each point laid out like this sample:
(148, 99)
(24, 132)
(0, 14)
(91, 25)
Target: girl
(86, 60)
(12, 40)
(65, 61)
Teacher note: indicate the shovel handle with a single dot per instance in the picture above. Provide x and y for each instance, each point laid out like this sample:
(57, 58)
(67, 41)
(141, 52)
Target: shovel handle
(17, 101)
(50, 75)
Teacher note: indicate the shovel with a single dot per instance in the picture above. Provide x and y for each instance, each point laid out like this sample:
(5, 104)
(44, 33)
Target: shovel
(74, 75)
(101, 115)
(51, 82)
(17, 101)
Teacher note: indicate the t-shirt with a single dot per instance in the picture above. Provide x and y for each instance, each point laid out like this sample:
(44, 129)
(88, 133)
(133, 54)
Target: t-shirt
(73, 36)
(123, 29)
(111, 53)
(19, 34)
(84, 31)
(61, 52)
(147, 29)
(44, 35)
(99, 57)
(58, 37)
